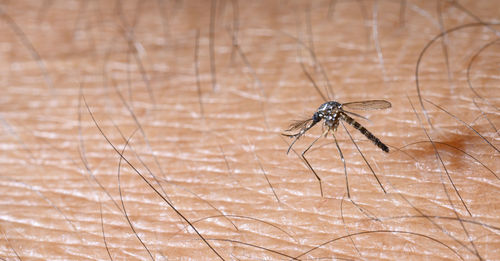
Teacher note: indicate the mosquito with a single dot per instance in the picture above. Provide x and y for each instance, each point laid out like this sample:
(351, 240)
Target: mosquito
(332, 113)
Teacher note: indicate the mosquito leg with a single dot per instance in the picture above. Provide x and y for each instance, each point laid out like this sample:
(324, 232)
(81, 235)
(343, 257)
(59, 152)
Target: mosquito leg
(343, 161)
(303, 155)
(299, 134)
(365, 132)
(364, 159)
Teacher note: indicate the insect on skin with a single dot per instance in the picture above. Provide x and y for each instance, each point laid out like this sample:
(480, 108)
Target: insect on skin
(332, 113)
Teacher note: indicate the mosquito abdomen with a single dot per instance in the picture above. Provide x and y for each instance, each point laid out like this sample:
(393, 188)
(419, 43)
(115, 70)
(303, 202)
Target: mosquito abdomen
(365, 132)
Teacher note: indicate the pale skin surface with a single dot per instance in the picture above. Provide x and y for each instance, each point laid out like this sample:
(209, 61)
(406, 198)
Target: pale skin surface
(216, 152)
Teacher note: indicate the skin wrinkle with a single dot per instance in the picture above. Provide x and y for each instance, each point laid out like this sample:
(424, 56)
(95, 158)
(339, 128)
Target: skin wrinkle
(208, 87)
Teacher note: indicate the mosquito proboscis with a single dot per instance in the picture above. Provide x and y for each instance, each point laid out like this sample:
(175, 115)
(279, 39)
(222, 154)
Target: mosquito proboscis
(332, 113)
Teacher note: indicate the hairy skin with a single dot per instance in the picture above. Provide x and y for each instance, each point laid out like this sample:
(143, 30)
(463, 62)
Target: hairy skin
(195, 95)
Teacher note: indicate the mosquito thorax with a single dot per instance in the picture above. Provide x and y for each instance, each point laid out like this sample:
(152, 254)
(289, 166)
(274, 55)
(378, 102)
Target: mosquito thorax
(328, 111)
(329, 107)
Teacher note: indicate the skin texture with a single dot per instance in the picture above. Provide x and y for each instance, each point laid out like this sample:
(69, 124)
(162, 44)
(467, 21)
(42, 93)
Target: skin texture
(202, 91)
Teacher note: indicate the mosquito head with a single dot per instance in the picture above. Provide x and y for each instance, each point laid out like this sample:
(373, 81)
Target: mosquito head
(316, 117)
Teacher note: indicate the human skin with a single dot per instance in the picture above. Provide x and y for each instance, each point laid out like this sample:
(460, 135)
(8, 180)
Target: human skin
(152, 130)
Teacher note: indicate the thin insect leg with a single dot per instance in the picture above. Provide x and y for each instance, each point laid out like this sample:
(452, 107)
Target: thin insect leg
(303, 155)
(365, 132)
(364, 159)
(291, 145)
(298, 135)
(343, 162)
(345, 226)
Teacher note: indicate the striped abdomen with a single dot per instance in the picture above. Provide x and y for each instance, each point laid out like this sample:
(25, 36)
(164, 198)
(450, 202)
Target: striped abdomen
(365, 132)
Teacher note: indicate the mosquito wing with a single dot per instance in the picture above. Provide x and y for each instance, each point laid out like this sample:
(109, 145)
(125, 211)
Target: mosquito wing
(368, 105)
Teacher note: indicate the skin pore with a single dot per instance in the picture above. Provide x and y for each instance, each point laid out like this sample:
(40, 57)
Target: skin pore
(151, 130)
